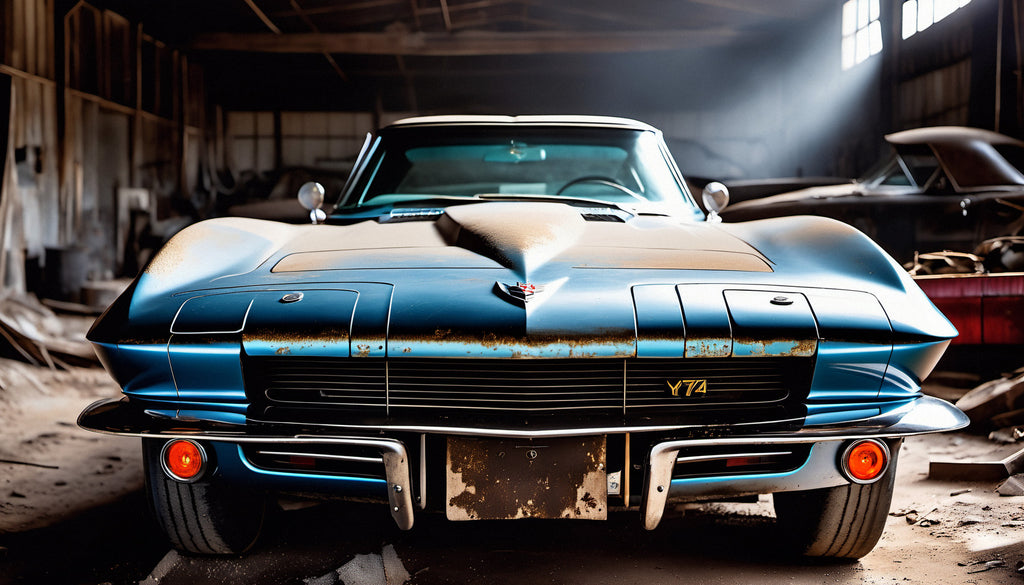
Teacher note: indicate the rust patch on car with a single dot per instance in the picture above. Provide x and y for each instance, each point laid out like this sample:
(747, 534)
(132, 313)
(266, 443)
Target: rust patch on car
(599, 345)
(506, 479)
(775, 347)
(287, 343)
(709, 347)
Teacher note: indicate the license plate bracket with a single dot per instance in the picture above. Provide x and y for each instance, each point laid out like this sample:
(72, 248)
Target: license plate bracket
(505, 479)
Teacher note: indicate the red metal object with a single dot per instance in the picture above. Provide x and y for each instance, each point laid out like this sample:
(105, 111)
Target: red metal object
(985, 308)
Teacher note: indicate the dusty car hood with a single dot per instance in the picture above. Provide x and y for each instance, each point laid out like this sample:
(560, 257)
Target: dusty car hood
(525, 238)
(518, 280)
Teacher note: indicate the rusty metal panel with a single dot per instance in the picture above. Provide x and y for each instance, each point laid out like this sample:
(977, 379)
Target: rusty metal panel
(505, 479)
(771, 324)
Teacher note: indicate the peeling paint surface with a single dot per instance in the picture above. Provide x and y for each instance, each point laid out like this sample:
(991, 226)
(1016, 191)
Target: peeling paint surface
(446, 344)
(745, 347)
(506, 479)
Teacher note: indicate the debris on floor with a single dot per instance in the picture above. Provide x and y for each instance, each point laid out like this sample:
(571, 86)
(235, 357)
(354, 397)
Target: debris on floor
(997, 403)
(33, 333)
(1013, 486)
(372, 569)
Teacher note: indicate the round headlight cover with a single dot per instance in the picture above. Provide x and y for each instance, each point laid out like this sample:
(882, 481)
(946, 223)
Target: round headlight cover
(865, 461)
(183, 460)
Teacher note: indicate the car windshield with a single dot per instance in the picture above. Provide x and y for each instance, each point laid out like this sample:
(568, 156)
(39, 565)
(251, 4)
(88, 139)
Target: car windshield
(910, 166)
(417, 166)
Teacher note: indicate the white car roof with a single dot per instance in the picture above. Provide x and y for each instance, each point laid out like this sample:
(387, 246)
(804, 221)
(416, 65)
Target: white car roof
(605, 121)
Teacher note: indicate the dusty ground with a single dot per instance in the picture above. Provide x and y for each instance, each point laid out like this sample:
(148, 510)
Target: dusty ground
(49, 468)
(965, 532)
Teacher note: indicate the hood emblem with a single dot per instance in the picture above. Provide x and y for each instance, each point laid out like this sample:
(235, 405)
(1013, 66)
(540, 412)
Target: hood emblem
(522, 292)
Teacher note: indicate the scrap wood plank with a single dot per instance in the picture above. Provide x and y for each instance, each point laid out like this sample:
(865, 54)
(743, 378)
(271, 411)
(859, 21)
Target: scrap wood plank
(977, 470)
(993, 398)
(33, 351)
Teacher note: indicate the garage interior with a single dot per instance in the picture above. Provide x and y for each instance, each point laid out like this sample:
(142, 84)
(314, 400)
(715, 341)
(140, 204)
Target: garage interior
(123, 121)
(128, 120)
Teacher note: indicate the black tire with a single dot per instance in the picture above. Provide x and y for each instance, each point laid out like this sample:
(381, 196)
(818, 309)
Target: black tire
(843, 522)
(205, 517)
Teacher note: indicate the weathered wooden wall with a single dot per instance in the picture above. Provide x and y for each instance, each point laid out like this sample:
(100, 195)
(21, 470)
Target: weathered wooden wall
(134, 119)
(963, 70)
(29, 222)
(114, 112)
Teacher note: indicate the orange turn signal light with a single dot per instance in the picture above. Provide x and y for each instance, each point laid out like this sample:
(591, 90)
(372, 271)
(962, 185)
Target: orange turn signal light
(183, 460)
(865, 461)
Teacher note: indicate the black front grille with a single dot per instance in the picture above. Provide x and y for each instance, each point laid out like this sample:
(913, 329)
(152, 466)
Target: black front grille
(506, 385)
(525, 387)
(358, 383)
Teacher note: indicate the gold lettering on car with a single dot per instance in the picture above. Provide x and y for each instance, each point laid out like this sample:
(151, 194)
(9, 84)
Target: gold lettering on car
(692, 387)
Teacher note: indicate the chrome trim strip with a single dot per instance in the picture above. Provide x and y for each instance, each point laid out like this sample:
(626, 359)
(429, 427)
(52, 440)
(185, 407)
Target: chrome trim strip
(324, 456)
(423, 472)
(625, 386)
(703, 458)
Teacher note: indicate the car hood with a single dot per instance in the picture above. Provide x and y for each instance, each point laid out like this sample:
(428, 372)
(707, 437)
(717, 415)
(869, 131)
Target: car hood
(501, 279)
(808, 194)
(812, 195)
(526, 238)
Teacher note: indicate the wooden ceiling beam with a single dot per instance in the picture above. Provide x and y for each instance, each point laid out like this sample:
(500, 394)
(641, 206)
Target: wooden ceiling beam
(447, 15)
(352, 7)
(463, 43)
(771, 9)
(620, 18)
(312, 26)
(263, 17)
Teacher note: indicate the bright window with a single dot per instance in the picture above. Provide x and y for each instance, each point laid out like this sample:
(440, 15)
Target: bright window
(920, 14)
(862, 33)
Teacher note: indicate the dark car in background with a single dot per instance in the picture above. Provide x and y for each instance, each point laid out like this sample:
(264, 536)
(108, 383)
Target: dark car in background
(943, 188)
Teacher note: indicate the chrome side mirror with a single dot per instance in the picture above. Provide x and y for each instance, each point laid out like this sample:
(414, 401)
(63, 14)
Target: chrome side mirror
(311, 196)
(716, 198)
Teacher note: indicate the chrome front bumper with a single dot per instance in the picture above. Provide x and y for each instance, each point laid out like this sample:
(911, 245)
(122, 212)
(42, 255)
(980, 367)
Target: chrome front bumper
(923, 415)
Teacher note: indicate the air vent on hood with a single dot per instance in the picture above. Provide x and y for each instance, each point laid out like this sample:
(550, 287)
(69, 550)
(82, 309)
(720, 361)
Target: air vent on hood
(594, 216)
(403, 215)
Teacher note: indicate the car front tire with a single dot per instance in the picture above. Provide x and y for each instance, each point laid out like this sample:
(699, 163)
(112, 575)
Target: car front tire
(843, 522)
(205, 517)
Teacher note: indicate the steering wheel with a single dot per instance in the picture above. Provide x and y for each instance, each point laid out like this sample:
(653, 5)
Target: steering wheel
(607, 181)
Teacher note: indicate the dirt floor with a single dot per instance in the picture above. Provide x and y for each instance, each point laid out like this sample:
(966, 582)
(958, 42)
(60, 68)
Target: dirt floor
(939, 532)
(50, 468)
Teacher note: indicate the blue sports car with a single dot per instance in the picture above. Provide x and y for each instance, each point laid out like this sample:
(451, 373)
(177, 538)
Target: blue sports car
(521, 317)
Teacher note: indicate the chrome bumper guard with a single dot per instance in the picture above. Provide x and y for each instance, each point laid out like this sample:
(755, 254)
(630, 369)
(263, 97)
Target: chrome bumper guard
(118, 417)
(924, 415)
